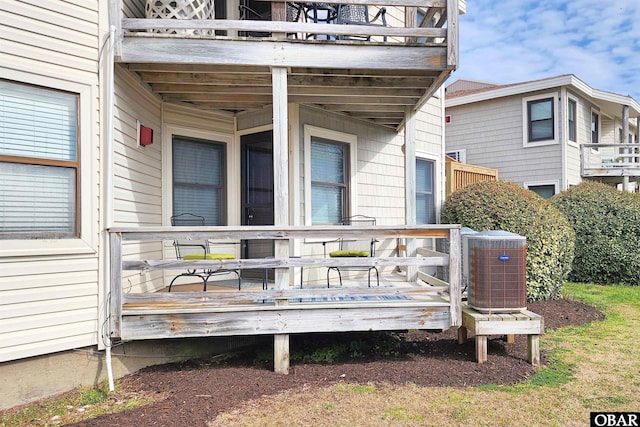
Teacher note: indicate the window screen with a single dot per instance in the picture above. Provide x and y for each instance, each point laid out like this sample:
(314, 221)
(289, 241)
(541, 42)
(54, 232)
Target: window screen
(425, 203)
(328, 181)
(199, 179)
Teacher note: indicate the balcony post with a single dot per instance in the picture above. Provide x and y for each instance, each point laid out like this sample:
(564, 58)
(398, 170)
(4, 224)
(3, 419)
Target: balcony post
(281, 201)
(410, 186)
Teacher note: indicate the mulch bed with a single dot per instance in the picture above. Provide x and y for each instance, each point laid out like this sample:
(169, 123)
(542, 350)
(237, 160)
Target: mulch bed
(196, 391)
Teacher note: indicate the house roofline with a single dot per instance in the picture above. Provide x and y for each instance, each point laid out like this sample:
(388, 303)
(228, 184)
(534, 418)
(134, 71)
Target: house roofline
(570, 80)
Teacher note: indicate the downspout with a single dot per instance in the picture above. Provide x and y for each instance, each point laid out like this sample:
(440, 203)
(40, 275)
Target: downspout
(108, 199)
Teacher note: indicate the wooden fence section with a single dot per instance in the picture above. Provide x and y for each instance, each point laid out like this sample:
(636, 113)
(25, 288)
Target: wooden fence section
(283, 310)
(459, 175)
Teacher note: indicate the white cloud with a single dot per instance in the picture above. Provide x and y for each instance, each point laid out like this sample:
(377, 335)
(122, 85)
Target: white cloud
(518, 40)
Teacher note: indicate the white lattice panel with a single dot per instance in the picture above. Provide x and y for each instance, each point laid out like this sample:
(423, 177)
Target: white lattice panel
(180, 9)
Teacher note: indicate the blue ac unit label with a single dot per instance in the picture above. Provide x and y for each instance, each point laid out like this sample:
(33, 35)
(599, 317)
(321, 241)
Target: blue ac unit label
(504, 257)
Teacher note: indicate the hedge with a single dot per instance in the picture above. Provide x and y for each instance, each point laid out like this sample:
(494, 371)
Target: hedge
(607, 226)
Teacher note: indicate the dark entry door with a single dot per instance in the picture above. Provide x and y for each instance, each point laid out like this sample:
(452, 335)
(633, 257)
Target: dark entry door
(257, 193)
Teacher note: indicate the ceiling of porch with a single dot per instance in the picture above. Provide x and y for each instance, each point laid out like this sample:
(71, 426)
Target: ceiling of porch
(378, 95)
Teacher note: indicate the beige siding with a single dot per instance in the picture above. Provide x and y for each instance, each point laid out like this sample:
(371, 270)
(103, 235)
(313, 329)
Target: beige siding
(50, 303)
(139, 198)
(583, 136)
(492, 134)
(380, 163)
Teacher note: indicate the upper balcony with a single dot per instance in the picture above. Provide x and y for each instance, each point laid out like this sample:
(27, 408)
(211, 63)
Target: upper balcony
(610, 162)
(369, 71)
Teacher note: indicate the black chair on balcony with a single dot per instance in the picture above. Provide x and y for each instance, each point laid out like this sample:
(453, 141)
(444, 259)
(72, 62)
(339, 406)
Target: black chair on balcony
(356, 14)
(189, 250)
(355, 248)
(320, 13)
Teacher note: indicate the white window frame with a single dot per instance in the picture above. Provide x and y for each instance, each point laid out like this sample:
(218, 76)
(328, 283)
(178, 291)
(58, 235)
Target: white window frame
(435, 192)
(341, 137)
(556, 185)
(595, 111)
(569, 141)
(438, 183)
(525, 120)
(86, 243)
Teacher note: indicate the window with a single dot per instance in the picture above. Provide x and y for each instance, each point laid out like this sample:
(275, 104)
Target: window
(458, 155)
(199, 179)
(39, 166)
(425, 202)
(595, 127)
(571, 116)
(329, 177)
(543, 189)
(540, 119)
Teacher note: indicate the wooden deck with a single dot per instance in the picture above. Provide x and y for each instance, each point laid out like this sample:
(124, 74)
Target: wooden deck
(284, 310)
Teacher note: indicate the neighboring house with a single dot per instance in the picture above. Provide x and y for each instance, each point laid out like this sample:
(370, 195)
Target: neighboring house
(106, 121)
(547, 134)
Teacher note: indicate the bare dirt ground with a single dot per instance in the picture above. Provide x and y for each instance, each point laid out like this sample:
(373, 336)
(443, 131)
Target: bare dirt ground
(194, 392)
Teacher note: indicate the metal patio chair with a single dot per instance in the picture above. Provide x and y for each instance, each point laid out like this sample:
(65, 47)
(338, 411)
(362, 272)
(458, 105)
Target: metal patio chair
(190, 250)
(361, 247)
(356, 14)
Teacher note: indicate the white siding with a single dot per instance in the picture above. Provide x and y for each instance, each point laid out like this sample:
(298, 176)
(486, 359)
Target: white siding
(50, 303)
(492, 134)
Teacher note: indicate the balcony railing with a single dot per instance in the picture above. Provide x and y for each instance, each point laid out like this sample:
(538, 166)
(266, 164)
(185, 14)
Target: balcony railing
(438, 26)
(610, 160)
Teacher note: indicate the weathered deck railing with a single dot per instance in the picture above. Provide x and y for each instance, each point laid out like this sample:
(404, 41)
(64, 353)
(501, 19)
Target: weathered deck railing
(283, 310)
(610, 160)
(439, 29)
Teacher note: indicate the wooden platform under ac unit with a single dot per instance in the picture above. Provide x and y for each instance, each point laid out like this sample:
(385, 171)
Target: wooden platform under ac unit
(523, 322)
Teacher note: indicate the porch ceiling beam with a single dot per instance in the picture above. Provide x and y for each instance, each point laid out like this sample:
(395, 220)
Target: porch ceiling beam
(197, 68)
(302, 99)
(364, 107)
(376, 115)
(305, 71)
(234, 106)
(232, 79)
(282, 54)
(294, 90)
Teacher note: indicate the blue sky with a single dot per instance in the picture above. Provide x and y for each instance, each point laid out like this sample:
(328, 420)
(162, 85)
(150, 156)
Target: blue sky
(510, 41)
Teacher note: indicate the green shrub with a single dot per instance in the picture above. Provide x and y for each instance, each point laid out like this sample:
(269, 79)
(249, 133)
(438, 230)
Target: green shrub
(607, 226)
(499, 205)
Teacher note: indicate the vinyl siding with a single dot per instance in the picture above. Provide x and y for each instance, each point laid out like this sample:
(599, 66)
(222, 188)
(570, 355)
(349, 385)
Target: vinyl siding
(492, 134)
(50, 303)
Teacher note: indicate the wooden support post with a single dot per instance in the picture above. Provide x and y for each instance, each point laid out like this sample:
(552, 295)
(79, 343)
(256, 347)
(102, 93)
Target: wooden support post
(410, 186)
(511, 338)
(533, 349)
(462, 335)
(281, 201)
(481, 348)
